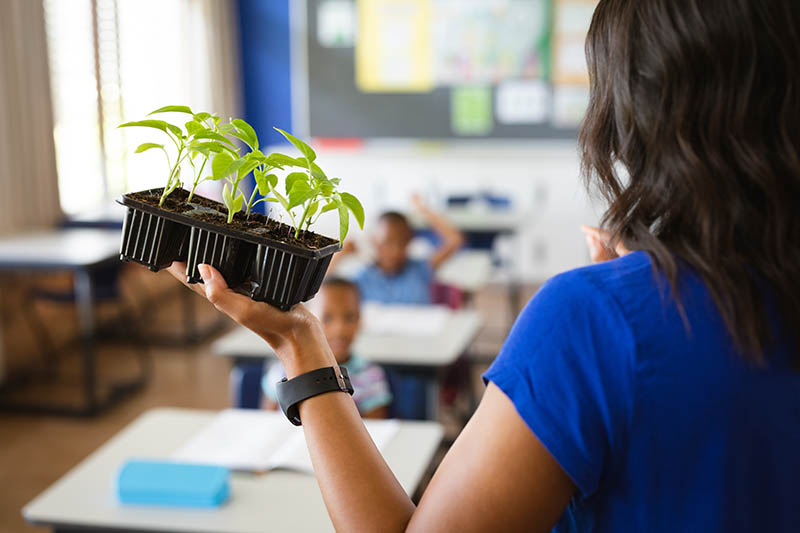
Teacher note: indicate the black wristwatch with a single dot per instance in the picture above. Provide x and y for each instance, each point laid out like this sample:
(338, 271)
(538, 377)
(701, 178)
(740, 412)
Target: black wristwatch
(293, 391)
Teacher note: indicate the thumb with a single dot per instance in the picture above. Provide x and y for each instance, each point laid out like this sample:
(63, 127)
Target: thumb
(212, 279)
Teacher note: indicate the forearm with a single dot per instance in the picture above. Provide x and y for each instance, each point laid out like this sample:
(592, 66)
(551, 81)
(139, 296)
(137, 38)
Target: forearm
(452, 238)
(360, 491)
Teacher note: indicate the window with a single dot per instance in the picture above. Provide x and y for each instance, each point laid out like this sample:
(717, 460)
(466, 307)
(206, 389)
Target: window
(112, 61)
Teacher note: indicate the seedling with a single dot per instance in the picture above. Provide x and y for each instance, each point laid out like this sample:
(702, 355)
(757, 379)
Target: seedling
(307, 195)
(202, 137)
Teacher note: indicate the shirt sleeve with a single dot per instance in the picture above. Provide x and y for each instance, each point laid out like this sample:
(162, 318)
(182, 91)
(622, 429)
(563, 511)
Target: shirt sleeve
(271, 377)
(372, 389)
(567, 368)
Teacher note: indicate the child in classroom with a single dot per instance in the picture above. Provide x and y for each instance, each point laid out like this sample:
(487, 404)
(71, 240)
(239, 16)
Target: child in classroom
(395, 278)
(339, 310)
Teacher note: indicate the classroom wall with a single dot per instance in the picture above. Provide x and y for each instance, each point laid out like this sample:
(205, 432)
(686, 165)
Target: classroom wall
(542, 178)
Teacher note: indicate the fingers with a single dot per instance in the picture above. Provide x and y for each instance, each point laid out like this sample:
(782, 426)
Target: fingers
(233, 304)
(597, 243)
(178, 271)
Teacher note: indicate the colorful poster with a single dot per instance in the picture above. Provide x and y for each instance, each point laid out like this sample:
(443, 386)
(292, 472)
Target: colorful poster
(571, 24)
(393, 50)
(489, 41)
(471, 111)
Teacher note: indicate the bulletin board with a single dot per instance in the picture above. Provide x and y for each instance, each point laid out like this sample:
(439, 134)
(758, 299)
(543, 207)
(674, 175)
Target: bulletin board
(444, 69)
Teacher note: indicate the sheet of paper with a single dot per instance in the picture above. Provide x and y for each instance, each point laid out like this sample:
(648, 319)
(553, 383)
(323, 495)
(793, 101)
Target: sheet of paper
(404, 320)
(522, 102)
(471, 111)
(241, 439)
(256, 441)
(336, 23)
(393, 47)
(294, 454)
(569, 105)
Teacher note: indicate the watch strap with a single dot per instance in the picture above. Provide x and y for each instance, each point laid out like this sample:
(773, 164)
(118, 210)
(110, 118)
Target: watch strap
(291, 392)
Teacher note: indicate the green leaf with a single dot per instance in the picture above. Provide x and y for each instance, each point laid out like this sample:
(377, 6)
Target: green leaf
(355, 207)
(295, 177)
(247, 140)
(220, 164)
(146, 146)
(277, 160)
(202, 116)
(226, 196)
(150, 123)
(282, 199)
(315, 170)
(326, 188)
(299, 195)
(344, 222)
(237, 204)
(266, 183)
(193, 127)
(175, 129)
(248, 130)
(172, 109)
(208, 134)
(206, 148)
(312, 208)
(300, 145)
(248, 166)
(330, 206)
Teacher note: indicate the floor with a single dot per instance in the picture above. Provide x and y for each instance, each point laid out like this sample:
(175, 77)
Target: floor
(36, 450)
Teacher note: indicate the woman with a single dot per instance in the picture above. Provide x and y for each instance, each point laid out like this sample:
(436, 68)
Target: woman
(655, 391)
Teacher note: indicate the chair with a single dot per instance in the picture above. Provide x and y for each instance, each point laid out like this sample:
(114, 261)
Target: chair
(106, 288)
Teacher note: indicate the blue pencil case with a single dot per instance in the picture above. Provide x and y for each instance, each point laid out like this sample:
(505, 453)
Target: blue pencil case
(145, 482)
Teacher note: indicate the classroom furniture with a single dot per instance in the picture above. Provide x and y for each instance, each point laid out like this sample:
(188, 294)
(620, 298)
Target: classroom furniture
(107, 216)
(83, 252)
(479, 219)
(278, 501)
(467, 270)
(424, 357)
(110, 216)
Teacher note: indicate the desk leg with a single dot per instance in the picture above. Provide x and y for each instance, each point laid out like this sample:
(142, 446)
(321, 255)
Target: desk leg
(432, 393)
(189, 317)
(84, 299)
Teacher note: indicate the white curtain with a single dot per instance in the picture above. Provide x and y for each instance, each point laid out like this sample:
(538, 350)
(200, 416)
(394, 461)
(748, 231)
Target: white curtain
(28, 180)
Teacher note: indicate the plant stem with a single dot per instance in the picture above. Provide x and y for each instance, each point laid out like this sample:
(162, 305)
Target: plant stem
(168, 189)
(197, 180)
(250, 201)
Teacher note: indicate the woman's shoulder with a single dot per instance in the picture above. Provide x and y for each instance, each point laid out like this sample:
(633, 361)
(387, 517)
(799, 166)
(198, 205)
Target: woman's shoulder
(608, 286)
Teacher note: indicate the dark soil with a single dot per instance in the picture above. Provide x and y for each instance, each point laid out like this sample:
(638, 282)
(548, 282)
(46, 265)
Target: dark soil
(255, 224)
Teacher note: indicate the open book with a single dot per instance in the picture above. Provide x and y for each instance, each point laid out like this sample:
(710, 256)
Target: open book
(256, 441)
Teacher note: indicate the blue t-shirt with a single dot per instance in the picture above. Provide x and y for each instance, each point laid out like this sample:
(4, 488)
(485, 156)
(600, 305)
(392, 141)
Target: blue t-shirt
(660, 428)
(412, 285)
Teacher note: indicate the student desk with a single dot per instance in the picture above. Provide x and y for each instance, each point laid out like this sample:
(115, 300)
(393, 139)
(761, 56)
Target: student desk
(467, 270)
(82, 252)
(84, 499)
(107, 216)
(476, 220)
(422, 356)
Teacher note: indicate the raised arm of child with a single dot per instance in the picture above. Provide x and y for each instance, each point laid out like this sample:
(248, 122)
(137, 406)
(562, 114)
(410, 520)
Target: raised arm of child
(452, 238)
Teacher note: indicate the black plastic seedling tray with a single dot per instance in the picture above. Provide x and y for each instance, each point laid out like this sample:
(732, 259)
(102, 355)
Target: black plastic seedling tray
(267, 270)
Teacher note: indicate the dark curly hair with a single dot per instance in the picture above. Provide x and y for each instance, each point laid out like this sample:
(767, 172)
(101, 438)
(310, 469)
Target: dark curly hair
(693, 137)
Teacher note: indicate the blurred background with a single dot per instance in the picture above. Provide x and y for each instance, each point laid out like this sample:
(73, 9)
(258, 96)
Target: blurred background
(474, 105)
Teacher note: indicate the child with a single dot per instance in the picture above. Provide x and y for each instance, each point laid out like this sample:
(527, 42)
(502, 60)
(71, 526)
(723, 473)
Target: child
(394, 278)
(339, 312)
